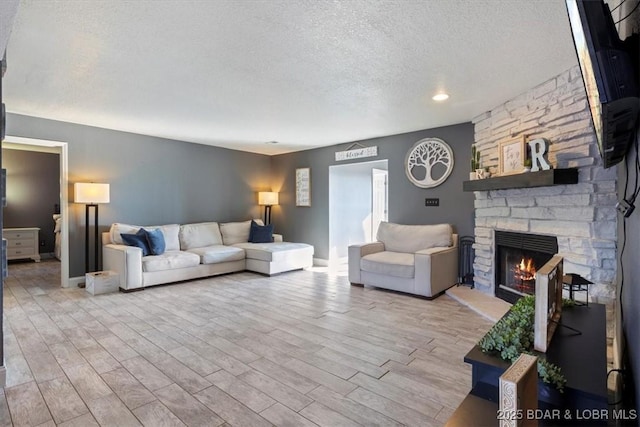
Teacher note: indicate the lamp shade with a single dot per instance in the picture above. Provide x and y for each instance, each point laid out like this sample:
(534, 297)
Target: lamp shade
(267, 198)
(90, 193)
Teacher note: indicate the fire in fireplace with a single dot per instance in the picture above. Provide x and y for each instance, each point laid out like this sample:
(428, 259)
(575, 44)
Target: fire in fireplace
(518, 255)
(524, 276)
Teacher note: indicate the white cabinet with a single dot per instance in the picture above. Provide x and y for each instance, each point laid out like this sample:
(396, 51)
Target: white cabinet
(22, 243)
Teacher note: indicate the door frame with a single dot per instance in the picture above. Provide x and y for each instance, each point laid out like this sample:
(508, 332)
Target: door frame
(385, 173)
(332, 258)
(61, 148)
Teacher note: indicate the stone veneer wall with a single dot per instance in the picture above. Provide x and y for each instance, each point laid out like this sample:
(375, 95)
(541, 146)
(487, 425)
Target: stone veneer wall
(582, 216)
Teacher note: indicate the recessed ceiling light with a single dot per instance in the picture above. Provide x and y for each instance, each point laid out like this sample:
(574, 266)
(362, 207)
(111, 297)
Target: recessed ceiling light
(440, 97)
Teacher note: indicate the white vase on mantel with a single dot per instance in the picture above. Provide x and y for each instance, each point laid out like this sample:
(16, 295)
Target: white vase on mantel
(472, 176)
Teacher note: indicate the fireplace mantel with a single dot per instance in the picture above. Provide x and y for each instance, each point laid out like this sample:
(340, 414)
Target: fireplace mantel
(524, 180)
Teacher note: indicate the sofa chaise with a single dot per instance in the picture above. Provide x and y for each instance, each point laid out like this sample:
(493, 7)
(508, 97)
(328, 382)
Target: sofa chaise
(417, 259)
(198, 250)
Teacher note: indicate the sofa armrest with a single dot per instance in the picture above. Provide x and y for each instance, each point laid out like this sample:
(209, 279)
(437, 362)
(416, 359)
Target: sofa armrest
(436, 270)
(356, 252)
(277, 237)
(126, 261)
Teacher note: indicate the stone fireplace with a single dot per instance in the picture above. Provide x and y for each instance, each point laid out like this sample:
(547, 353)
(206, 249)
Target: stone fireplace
(518, 257)
(581, 217)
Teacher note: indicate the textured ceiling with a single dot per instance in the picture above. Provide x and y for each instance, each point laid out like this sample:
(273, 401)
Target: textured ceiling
(305, 73)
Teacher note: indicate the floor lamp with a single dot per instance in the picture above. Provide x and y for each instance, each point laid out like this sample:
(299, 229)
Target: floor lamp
(267, 199)
(91, 194)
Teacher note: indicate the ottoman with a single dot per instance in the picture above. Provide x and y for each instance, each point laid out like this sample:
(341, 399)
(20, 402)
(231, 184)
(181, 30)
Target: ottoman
(277, 257)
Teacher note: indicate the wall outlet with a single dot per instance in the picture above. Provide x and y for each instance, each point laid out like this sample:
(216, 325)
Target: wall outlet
(42, 243)
(432, 202)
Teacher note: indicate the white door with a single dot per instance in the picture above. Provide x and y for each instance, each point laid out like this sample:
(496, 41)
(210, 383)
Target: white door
(379, 206)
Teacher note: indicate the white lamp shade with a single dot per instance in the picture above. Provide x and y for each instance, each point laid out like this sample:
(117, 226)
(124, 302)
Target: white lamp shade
(90, 193)
(267, 198)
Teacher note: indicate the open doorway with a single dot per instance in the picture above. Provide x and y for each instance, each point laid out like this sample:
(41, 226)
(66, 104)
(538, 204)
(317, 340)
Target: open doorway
(358, 202)
(60, 238)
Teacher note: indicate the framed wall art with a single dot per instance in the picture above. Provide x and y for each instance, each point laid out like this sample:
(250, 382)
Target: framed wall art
(511, 156)
(429, 163)
(303, 187)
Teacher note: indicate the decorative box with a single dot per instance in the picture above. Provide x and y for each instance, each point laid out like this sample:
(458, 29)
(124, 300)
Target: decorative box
(102, 282)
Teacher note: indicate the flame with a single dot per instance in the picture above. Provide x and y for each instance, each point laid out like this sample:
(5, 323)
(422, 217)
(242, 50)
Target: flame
(526, 270)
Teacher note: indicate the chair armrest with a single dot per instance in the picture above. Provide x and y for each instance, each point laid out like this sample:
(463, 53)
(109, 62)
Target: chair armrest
(436, 270)
(366, 248)
(126, 261)
(435, 250)
(277, 237)
(356, 252)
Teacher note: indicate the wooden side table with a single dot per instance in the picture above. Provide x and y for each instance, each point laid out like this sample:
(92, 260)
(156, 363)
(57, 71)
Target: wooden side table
(22, 243)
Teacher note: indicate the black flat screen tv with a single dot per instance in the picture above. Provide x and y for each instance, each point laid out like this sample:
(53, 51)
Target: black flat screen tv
(610, 76)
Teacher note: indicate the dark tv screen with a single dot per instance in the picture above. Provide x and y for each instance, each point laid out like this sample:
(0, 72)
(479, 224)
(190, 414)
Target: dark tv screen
(609, 75)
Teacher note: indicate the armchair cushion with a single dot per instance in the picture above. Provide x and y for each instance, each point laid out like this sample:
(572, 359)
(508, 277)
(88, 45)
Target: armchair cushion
(412, 238)
(397, 264)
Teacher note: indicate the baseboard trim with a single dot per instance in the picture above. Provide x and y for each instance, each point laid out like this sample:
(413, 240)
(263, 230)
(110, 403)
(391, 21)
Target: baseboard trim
(3, 376)
(319, 262)
(75, 281)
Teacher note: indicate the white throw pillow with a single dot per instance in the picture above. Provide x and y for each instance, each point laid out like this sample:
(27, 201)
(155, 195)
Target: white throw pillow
(412, 238)
(170, 232)
(199, 235)
(235, 232)
(171, 235)
(118, 228)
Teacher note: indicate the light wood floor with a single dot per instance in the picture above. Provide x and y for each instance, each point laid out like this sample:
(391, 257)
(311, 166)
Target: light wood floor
(298, 349)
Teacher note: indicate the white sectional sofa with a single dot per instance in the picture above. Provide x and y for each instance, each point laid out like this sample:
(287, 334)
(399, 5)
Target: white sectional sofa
(199, 250)
(417, 259)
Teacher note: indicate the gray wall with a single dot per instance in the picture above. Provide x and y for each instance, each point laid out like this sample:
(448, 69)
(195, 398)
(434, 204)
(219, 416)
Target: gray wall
(406, 201)
(33, 190)
(153, 180)
(631, 286)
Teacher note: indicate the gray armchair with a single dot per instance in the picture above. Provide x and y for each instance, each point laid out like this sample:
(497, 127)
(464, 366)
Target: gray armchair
(417, 259)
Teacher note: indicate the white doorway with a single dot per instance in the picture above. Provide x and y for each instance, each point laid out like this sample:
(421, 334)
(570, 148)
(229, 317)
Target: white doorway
(358, 202)
(379, 200)
(60, 148)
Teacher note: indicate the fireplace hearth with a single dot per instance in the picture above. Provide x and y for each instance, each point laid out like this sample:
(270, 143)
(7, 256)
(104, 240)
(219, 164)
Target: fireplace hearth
(518, 256)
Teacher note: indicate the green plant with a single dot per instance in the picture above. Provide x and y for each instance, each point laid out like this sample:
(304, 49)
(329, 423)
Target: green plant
(527, 163)
(475, 158)
(513, 335)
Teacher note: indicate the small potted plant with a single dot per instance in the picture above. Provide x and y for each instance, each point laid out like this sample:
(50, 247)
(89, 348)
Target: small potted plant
(527, 165)
(475, 162)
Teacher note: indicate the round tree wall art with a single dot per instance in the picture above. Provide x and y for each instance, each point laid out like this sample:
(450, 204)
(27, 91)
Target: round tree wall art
(429, 162)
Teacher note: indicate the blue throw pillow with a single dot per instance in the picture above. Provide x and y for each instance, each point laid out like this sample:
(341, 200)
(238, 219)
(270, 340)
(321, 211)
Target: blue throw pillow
(155, 240)
(138, 240)
(260, 233)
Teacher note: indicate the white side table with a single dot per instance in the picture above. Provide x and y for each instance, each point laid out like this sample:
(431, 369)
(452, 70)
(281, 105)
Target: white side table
(22, 243)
